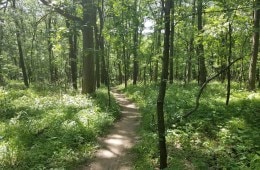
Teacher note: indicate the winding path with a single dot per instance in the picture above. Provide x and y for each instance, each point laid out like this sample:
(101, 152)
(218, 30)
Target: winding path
(114, 151)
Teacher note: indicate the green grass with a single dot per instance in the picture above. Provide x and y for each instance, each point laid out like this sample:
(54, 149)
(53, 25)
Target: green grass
(216, 136)
(41, 129)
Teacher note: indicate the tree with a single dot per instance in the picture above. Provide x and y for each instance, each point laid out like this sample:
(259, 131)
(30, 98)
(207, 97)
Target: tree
(172, 43)
(52, 66)
(20, 46)
(1, 46)
(87, 24)
(200, 48)
(73, 38)
(255, 47)
(135, 41)
(164, 77)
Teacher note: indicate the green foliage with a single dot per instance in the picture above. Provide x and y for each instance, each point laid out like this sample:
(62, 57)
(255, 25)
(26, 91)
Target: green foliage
(43, 130)
(215, 137)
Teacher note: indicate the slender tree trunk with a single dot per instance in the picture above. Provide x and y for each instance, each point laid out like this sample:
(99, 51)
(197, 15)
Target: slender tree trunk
(191, 45)
(21, 59)
(20, 49)
(156, 70)
(97, 55)
(125, 58)
(88, 81)
(103, 76)
(73, 55)
(135, 41)
(229, 61)
(255, 47)
(120, 75)
(73, 63)
(162, 90)
(200, 49)
(108, 76)
(1, 50)
(150, 68)
(158, 45)
(172, 43)
(50, 51)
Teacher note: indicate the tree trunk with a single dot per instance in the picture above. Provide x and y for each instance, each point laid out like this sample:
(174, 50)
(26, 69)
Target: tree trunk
(97, 55)
(120, 75)
(104, 78)
(72, 55)
(229, 61)
(1, 50)
(162, 90)
(50, 52)
(172, 43)
(103, 75)
(135, 41)
(125, 63)
(191, 45)
(20, 49)
(88, 80)
(73, 63)
(200, 49)
(21, 59)
(255, 47)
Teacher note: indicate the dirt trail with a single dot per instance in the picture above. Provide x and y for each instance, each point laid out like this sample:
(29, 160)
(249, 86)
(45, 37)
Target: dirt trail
(114, 152)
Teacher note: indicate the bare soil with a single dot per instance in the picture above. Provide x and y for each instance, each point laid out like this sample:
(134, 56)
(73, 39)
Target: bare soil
(114, 153)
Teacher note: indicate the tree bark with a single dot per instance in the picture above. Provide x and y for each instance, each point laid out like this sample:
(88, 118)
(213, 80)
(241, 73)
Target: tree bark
(162, 90)
(97, 55)
(255, 47)
(73, 55)
(229, 61)
(200, 48)
(135, 41)
(88, 80)
(172, 43)
(50, 51)
(191, 45)
(1, 50)
(103, 75)
(20, 49)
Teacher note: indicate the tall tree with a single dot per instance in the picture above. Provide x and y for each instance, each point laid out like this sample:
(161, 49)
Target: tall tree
(73, 37)
(166, 5)
(200, 48)
(172, 43)
(255, 47)
(20, 46)
(103, 75)
(229, 62)
(87, 24)
(135, 41)
(52, 66)
(191, 43)
(1, 49)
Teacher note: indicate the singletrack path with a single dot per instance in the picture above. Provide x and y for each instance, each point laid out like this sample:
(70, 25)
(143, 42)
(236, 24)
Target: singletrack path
(114, 153)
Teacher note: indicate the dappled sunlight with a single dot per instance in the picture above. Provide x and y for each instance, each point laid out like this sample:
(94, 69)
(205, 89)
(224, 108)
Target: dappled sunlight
(215, 136)
(114, 147)
(104, 153)
(50, 130)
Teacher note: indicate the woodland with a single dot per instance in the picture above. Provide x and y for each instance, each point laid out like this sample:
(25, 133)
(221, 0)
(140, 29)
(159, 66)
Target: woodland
(191, 66)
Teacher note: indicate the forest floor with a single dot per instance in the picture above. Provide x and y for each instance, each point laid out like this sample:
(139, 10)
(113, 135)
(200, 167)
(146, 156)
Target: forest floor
(115, 148)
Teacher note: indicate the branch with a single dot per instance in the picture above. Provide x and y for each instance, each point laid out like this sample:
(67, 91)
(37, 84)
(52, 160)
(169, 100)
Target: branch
(202, 88)
(40, 20)
(60, 11)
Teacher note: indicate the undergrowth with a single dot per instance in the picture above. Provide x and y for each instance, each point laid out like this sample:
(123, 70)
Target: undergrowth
(43, 128)
(216, 136)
